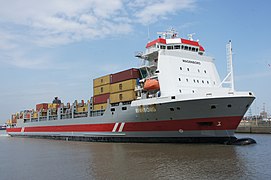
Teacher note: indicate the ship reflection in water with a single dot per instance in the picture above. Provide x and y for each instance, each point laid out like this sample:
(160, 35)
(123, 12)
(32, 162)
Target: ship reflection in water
(24, 158)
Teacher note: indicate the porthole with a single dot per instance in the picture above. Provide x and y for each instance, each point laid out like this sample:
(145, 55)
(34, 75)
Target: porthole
(229, 105)
(178, 108)
(187, 69)
(171, 109)
(124, 108)
(213, 107)
(180, 79)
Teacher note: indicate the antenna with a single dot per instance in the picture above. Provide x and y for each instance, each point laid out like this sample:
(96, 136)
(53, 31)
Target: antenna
(170, 33)
(190, 36)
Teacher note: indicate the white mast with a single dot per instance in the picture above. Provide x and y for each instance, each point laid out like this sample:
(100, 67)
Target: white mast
(229, 64)
(229, 78)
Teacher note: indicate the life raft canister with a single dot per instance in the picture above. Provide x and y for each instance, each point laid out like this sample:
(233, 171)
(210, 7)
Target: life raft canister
(151, 84)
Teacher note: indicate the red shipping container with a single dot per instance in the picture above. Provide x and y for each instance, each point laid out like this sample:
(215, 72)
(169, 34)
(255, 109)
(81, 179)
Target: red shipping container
(41, 106)
(125, 75)
(100, 98)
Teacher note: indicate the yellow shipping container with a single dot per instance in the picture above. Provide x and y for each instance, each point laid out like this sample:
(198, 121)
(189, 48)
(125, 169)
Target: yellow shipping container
(52, 105)
(122, 96)
(82, 109)
(99, 106)
(101, 90)
(123, 86)
(101, 81)
(35, 115)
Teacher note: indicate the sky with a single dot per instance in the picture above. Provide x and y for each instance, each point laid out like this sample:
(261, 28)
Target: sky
(56, 48)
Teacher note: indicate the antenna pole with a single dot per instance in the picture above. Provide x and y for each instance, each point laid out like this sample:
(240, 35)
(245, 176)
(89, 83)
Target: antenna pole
(229, 65)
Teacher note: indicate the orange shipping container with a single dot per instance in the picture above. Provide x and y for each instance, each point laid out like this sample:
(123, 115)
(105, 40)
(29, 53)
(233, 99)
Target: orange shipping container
(122, 96)
(97, 107)
(123, 86)
(101, 81)
(41, 106)
(101, 90)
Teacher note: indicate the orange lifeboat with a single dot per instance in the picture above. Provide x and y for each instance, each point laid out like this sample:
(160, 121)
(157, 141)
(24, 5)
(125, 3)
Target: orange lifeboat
(151, 84)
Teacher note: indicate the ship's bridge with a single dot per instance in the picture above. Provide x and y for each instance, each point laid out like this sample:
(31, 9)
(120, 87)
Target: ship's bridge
(174, 43)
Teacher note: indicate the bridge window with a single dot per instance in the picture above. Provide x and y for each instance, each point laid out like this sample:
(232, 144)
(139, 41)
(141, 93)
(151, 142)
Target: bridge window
(185, 47)
(169, 47)
(193, 49)
(162, 47)
(177, 47)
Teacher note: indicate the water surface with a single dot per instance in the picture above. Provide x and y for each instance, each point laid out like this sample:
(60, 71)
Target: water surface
(27, 158)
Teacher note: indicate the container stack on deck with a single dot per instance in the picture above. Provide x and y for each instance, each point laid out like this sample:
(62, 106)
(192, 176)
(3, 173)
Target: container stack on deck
(101, 92)
(123, 85)
(118, 87)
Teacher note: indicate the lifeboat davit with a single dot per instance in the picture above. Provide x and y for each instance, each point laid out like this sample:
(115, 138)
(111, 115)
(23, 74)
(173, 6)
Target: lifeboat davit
(151, 84)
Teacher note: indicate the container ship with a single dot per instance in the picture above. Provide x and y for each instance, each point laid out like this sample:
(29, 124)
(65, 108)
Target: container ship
(175, 95)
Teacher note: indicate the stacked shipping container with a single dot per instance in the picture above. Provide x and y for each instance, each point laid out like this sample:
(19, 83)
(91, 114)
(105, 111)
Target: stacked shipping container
(122, 86)
(118, 87)
(101, 91)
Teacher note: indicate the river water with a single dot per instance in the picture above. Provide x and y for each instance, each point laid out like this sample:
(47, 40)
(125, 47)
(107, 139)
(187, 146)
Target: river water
(42, 159)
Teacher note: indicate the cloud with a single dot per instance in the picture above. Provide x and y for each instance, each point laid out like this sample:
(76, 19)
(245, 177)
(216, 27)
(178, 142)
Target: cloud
(88, 19)
(152, 11)
(53, 23)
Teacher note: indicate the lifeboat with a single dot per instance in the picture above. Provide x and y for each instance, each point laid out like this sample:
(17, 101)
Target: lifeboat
(151, 84)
